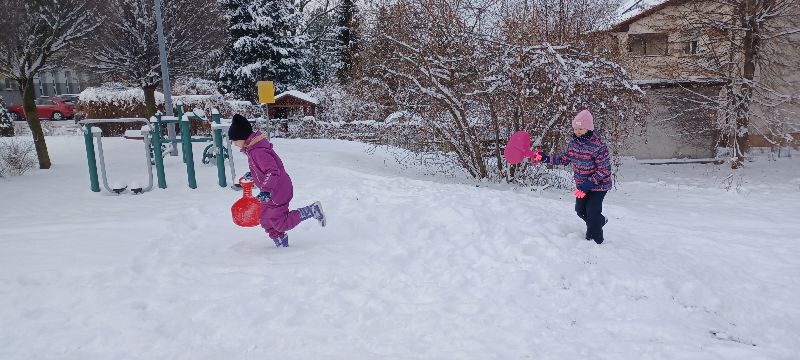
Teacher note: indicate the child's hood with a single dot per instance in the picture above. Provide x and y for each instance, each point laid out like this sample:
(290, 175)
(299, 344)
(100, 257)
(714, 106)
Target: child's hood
(257, 140)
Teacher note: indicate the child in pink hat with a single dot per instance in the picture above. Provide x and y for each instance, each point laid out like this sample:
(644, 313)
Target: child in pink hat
(591, 169)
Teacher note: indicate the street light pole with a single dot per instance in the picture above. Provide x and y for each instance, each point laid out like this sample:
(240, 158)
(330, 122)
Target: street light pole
(162, 49)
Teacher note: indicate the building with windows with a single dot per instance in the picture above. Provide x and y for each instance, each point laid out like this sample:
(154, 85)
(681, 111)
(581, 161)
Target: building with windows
(671, 49)
(48, 83)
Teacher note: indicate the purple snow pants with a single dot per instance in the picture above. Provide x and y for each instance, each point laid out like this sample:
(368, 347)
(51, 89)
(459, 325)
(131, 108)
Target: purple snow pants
(277, 220)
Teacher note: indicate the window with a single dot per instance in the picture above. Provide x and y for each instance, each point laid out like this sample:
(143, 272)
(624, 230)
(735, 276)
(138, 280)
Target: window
(67, 78)
(40, 81)
(45, 102)
(648, 44)
(691, 47)
(8, 84)
(53, 82)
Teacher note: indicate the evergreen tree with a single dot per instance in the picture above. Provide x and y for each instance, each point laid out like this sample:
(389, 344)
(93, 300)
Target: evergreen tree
(263, 44)
(6, 126)
(345, 40)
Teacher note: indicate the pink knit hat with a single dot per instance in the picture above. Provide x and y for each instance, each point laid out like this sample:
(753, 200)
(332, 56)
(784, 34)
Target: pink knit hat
(583, 120)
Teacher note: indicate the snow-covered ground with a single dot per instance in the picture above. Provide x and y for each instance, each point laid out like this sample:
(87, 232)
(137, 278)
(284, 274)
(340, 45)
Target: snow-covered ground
(409, 267)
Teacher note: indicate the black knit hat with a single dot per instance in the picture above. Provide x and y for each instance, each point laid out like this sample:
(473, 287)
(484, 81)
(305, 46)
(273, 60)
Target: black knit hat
(240, 128)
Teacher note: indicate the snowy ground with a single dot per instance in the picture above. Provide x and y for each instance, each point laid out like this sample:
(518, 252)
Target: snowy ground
(409, 267)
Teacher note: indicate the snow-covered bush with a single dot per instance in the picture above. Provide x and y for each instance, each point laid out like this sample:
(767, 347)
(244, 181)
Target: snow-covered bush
(114, 100)
(244, 108)
(16, 156)
(339, 103)
(6, 125)
(473, 90)
(195, 86)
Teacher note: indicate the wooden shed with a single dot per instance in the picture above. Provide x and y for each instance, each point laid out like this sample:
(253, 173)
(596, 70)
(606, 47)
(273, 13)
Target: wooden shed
(293, 104)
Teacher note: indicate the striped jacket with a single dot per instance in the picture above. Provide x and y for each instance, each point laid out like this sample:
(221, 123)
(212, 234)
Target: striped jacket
(590, 161)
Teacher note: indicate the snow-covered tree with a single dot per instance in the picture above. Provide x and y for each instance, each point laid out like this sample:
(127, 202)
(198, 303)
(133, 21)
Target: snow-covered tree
(345, 40)
(475, 88)
(319, 26)
(264, 43)
(555, 21)
(35, 37)
(126, 49)
(6, 126)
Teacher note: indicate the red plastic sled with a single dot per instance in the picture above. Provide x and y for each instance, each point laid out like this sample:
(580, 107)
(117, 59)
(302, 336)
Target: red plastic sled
(246, 210)
(518, 148)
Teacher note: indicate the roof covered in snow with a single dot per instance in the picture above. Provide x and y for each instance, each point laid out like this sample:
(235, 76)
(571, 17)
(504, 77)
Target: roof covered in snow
(300, 95)
(632, 10)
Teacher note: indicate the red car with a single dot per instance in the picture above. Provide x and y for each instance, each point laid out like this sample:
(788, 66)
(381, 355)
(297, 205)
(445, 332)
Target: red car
(52, 108)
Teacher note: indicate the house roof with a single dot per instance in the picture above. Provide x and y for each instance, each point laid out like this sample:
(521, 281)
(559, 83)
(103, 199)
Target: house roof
(299, 95)
(633, 10)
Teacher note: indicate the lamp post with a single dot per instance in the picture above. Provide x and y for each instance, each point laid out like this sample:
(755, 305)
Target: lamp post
(162, 49)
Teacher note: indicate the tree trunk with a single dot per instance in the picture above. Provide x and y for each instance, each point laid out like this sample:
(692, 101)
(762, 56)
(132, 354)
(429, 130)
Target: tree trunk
(741, 143)
(29, 105)
(149, 101)
(498, 144)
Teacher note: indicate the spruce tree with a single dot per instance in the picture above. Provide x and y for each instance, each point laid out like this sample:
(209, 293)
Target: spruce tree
(344, 40)
(263, 44)
(6, 126)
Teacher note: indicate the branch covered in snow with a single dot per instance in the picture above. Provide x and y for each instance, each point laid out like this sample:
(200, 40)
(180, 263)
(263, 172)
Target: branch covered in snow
(38, 34)
(126, 49)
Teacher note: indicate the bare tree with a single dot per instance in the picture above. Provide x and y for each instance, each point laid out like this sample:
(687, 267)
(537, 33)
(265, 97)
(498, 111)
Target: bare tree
(36, 37)
(555, 21)
(126, 47)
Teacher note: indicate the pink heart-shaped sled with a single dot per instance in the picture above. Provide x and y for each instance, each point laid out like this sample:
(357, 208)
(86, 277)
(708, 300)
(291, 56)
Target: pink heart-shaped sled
(518, 148)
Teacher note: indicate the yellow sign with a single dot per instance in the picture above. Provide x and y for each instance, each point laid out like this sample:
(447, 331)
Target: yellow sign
(266, 92)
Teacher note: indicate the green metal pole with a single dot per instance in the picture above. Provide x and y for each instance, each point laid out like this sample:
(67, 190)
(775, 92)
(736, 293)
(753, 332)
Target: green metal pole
(158, 153)
(90, 158)
(188, 157)
(179, 107)
(215, 117)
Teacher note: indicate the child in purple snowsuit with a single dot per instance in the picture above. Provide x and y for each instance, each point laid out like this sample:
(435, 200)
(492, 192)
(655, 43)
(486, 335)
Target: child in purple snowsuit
(591, 170)
(269, 175)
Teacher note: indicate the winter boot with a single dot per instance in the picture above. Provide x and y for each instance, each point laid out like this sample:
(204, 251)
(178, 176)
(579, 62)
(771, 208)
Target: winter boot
(590, 237)
(313, 211)
(600, 241)
(283, 241)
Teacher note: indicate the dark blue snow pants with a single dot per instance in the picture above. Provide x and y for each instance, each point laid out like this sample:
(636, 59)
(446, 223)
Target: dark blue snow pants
(590, 209)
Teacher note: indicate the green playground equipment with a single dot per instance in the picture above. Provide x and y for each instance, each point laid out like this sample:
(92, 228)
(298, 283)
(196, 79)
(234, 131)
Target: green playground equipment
(154, 142)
